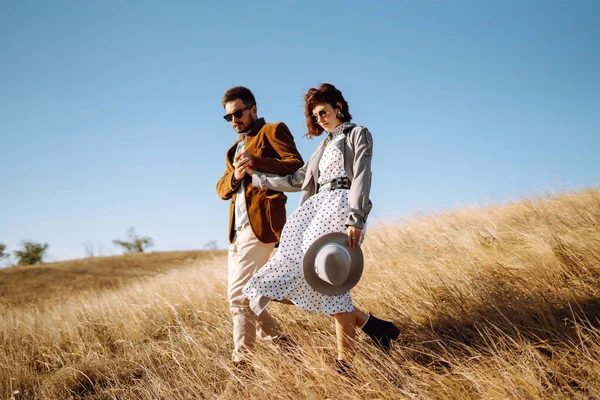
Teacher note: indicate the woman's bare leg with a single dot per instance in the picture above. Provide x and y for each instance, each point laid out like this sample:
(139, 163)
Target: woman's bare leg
(361, 317)
(345, 330)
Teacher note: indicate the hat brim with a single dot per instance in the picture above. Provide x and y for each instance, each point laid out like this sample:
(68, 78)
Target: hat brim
(356, 265)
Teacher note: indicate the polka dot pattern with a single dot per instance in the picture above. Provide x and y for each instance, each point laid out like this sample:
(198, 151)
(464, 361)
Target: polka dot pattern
(325, 212)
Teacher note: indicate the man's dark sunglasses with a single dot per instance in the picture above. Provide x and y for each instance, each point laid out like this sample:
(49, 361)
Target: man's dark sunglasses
(237, 113)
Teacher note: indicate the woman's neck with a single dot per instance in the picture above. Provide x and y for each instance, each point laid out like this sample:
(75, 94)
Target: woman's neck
(335, 127)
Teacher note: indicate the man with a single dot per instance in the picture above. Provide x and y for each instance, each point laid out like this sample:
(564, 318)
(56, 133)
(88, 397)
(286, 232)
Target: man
(256, 216)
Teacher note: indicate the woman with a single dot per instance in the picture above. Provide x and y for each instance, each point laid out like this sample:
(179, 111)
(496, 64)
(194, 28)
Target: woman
(343, 160)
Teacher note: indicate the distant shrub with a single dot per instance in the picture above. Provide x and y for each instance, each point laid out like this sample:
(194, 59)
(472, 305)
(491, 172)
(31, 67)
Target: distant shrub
(211, 245)
(92, 250)
(135, 244)
(3, 253)
(32, 253)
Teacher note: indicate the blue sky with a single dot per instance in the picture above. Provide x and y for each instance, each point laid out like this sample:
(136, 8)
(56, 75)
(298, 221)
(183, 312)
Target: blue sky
(110, 113)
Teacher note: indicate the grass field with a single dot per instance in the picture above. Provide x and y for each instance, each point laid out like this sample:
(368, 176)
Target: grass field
(501, 302)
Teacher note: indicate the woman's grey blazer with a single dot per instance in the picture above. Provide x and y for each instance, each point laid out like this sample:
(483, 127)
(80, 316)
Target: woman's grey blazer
(357, 150)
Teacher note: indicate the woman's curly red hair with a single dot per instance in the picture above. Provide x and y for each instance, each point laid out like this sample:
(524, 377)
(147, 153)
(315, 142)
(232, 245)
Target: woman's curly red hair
(325, 93)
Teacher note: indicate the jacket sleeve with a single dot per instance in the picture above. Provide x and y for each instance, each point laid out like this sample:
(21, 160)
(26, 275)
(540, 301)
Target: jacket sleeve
(226, 186)
(288, 183)
(283, 143)
(360, 189)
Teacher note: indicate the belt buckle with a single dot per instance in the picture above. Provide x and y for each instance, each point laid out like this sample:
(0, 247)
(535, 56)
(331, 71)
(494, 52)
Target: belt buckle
(338, 183)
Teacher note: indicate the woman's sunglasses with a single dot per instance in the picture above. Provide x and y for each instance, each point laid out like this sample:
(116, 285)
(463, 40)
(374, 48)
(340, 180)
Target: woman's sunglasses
(238, 114)
(322, 113)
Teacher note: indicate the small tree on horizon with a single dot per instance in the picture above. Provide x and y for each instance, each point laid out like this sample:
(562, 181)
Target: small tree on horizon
(32, 253)
(135, 244)
(211, 245)
(93, 250)
(3, 253)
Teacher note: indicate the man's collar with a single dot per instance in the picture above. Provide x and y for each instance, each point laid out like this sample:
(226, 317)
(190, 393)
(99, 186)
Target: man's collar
(256, 126)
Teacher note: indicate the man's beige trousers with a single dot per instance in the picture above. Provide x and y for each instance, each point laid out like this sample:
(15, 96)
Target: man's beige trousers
(246, 255)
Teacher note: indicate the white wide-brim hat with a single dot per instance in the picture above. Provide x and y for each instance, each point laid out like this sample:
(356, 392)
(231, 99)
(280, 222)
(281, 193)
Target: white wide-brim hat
(330, 266)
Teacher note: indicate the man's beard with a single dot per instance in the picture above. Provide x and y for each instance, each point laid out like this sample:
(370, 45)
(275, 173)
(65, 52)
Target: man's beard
(246, 128)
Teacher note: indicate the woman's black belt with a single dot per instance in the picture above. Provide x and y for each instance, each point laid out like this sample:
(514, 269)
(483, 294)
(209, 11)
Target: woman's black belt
(337, 183)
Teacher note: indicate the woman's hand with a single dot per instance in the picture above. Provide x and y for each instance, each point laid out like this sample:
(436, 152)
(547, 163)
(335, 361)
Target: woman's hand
(353, 236)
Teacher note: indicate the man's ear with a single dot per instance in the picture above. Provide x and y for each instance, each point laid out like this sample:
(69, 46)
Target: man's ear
(254, 111)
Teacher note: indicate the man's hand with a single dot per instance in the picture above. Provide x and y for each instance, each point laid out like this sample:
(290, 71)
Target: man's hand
(353, 236)
(243, 163)
(244, 155)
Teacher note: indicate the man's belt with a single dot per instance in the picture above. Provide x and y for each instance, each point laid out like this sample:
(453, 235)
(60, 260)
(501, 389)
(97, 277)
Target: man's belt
(337, 183)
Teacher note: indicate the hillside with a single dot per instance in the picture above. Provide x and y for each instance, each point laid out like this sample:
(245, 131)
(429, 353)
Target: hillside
(45, 284)
(499, 302)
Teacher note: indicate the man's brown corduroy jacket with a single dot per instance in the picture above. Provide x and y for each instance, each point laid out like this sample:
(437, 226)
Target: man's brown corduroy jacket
(274, 151)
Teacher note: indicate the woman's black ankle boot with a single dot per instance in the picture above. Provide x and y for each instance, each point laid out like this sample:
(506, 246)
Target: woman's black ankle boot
(381, 332)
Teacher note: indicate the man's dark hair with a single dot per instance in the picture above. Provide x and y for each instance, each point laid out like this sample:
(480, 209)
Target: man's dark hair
(239, 92)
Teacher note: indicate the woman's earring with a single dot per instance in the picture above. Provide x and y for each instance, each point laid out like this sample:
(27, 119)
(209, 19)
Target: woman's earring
(340, 115)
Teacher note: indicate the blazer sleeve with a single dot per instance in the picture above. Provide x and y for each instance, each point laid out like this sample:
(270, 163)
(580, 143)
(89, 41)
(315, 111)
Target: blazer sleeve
(282, 141)
(226, 186)
(287, 183)
(360, 189)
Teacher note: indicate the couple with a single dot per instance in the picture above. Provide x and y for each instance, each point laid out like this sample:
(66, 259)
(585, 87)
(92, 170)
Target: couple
(335, 203)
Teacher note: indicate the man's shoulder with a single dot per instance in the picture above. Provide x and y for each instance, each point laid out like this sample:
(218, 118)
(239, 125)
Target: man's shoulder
(272, 127)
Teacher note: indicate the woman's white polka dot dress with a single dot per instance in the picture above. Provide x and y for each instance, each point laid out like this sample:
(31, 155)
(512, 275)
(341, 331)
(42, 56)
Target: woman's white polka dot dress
(325, 212)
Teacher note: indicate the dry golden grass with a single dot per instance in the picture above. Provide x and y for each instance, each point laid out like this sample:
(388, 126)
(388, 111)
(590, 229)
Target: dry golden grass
(493, 303)
(45, 284)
